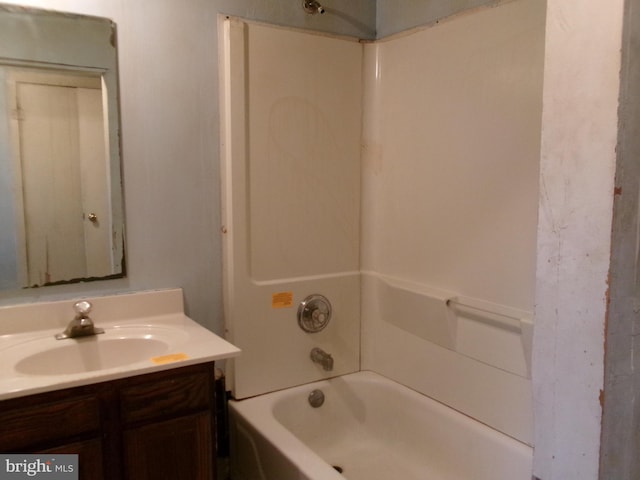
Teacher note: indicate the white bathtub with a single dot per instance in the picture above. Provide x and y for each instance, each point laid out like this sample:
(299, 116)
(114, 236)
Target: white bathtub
(372, 429)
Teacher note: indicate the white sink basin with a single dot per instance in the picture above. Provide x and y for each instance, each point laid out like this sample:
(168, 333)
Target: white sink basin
(117, 347)
(144, 332)
(87, 355)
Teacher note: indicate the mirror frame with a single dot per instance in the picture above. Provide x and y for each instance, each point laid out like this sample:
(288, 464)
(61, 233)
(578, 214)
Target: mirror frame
(81, 43)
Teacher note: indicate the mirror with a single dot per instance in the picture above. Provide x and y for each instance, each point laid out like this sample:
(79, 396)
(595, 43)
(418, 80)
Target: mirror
(61, 207)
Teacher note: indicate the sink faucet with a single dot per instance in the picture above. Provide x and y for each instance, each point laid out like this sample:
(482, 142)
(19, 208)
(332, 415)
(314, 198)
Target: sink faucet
(323, 358)
(81, 325)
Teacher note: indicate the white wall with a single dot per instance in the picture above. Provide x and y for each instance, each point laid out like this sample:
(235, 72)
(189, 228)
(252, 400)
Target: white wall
(450, 193)
(292, 104)
(579, 136)
(451, 173)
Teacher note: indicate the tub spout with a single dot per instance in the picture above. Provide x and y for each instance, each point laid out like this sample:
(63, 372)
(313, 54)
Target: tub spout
(323, 358)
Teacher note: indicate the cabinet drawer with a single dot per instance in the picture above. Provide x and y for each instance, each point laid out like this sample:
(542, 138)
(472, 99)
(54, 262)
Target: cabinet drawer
(166, 396)
(31, 425)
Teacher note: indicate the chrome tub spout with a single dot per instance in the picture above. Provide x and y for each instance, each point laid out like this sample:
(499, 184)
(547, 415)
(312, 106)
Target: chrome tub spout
(323, 358)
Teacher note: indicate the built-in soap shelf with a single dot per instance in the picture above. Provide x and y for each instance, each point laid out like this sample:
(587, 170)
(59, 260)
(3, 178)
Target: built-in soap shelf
(491, 333)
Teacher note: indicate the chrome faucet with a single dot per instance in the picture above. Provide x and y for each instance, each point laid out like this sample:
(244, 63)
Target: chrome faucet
(323, 358)
(81, 325)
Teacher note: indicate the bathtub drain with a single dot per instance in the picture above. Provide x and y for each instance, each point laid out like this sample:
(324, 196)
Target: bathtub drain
(316, 398)
(337, 468)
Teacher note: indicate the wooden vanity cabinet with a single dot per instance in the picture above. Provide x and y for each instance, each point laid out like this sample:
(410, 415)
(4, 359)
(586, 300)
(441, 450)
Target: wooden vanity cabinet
(66, 421)
(153, 426)
(169, 426)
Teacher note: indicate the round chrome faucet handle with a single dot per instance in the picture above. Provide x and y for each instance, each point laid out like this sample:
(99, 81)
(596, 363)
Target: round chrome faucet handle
(314, 313)
(82, 307)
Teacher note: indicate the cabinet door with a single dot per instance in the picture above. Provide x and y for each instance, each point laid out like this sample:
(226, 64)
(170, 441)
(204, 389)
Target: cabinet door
(89, 457)
(179, 449)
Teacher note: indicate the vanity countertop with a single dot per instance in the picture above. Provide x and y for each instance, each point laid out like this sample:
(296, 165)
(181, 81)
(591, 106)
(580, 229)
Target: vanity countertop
(144, 332)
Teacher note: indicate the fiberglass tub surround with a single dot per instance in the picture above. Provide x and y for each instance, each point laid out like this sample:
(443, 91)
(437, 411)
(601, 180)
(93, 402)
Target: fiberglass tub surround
(368, 427)
(398, 179)
(142, 333)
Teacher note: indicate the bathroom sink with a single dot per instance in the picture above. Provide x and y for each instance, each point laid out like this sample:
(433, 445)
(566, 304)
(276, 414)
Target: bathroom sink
(90, 354)
(117, 347)
(144, 332)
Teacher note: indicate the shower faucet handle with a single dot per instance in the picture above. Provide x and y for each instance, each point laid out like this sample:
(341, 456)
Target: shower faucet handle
(314, 313)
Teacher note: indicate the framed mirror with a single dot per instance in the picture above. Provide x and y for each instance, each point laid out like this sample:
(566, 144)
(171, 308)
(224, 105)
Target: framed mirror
(61, 205)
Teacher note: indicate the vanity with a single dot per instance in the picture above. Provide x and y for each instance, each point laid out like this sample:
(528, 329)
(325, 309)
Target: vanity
(133, 397)
(137, 401)
(159, 425)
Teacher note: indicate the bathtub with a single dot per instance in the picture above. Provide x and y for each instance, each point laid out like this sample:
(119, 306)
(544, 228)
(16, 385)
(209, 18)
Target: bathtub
(369, 428)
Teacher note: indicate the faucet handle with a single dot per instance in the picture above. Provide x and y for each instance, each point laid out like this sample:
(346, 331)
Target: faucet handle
(82, 308)
(314, 313)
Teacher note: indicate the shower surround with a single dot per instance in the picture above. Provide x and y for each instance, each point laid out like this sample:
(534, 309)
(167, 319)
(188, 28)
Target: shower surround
(399, 179)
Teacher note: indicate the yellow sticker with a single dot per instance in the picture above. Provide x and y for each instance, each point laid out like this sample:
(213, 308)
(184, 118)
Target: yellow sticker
(282, 300)
(173, 357)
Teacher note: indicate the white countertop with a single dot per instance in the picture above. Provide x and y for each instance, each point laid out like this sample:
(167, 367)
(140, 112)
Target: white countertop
(183, 342)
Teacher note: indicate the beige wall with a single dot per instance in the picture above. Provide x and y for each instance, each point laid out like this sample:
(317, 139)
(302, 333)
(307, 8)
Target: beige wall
(450, 194)
(291, 165)
(579, 136)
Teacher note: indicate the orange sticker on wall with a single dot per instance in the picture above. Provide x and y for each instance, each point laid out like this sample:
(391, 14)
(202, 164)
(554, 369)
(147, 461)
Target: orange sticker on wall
(282, 300)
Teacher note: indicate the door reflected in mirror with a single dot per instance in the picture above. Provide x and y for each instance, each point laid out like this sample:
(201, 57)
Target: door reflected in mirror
(61, 217)
(62, 210)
